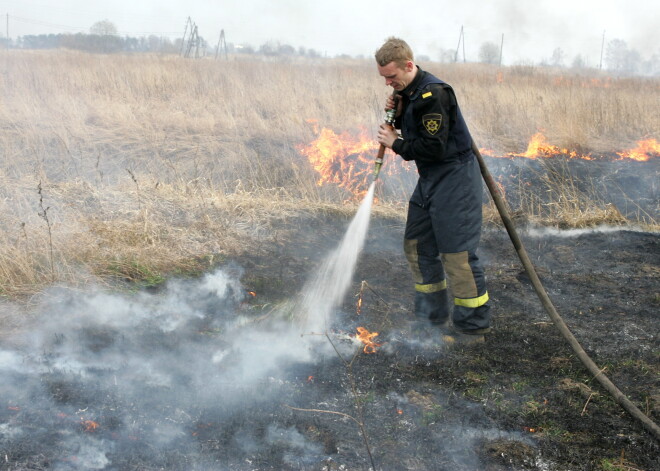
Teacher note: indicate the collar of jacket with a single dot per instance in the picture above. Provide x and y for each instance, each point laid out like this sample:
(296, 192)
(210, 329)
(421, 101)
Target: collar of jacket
(410, 89)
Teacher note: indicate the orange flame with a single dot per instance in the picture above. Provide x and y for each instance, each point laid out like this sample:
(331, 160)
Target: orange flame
(366, 338)
(538, 147)
(346, 159)
(358, 309)
(643, 152)
(90, 425)
(582, 82)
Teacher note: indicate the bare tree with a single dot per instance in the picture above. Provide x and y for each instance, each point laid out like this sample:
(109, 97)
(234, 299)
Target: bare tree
(557, 58)
(104, 28)
(621, 59)
(489, 53)
(446, 55)
(579, 62)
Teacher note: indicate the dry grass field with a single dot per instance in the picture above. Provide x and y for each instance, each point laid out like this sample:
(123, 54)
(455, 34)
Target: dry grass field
(119, 167)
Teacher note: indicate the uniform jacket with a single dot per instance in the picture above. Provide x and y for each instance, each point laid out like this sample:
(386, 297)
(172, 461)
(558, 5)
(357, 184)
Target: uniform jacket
(436, 137)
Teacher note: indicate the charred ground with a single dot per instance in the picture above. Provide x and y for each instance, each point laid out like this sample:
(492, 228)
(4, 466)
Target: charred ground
(522, 400)
(519, 401)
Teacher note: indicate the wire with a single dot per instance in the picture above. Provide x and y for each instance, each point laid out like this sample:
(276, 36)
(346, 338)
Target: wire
(78, 28)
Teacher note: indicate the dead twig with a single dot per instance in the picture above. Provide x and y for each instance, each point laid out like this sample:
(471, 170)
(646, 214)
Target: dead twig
(358, 406)
(322, 411)
(584, 409)
(44, 215)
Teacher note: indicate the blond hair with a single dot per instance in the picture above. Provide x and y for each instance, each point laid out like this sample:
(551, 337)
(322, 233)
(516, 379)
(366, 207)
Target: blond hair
(394, 50)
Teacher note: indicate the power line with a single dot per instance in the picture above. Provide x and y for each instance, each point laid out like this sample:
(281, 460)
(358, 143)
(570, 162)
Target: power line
(81, 29)
(38, 6)
(43, 23)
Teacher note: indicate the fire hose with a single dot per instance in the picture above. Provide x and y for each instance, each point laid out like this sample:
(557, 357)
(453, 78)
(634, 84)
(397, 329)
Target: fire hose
(558, 321)
(389, 120)
(550, 308)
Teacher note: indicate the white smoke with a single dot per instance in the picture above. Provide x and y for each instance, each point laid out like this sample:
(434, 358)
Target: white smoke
(542, 232)
(147, 363)
(152, 355)
(158, 367)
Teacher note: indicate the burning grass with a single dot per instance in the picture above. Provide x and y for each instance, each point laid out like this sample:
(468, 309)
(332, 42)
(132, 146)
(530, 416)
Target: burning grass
(153, 165)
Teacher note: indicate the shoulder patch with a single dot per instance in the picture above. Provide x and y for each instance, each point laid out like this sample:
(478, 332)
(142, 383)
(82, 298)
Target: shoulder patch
(432, 122)
(427, 94)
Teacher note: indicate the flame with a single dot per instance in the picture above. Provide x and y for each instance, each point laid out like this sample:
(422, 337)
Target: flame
(345, 159)
(538, 147)
(487, 152)
(582, 82)
(366, 338)
(643, 152)
(90, 425)
(358, 309)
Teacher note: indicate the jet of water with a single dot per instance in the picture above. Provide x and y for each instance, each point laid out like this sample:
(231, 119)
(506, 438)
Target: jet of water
(325, 291)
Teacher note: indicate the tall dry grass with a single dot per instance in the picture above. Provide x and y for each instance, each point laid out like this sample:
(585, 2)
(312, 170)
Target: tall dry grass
(156, 164)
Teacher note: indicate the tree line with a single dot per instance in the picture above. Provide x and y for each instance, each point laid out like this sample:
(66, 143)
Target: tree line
(103, 38)
(108, 44)
(618, 57)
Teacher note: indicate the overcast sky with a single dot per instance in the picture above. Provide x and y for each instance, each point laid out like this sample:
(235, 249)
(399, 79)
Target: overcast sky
(532, 29)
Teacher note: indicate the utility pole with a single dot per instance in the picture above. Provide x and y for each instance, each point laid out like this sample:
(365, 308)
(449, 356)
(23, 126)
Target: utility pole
(185, 31)
(501, 49)
(602, 47)
(221, 44)
(458, 46)
(463, 36)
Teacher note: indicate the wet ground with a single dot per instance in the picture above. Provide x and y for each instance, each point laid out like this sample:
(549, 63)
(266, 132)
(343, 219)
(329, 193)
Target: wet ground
(522, 399)
(158, 380)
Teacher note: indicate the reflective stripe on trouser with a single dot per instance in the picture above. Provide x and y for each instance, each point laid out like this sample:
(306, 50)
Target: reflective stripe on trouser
(431, 297)
(466, 280)
(432, 302)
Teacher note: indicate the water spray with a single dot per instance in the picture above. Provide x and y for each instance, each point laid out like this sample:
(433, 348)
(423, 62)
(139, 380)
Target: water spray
(389, 120)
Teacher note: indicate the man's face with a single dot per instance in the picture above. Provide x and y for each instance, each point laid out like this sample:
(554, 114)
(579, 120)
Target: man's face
(396, 77)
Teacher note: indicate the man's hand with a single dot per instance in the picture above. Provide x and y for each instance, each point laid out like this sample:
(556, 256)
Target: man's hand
(387, 135)
(392, 103)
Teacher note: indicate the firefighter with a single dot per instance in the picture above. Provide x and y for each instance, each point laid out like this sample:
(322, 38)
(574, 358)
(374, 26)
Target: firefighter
(443, 225)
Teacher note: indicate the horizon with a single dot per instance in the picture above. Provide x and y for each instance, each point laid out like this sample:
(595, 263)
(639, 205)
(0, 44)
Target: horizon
(528, 33)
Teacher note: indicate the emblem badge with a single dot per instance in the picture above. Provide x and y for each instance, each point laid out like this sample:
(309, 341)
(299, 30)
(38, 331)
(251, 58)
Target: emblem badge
(432, 122)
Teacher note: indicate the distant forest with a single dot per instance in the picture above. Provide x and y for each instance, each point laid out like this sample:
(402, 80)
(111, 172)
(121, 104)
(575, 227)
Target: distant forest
(617, 58)
(97, 43)
(111, 43)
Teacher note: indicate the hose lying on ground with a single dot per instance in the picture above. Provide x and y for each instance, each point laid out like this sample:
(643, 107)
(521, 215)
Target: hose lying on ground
(550, 308)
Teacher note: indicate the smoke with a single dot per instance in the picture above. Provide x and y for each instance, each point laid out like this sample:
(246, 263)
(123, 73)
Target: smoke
(142, 366)
(542, 232)
(145, 367)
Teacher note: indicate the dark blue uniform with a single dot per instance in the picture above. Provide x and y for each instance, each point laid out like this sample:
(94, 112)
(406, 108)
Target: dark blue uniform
(444, 214)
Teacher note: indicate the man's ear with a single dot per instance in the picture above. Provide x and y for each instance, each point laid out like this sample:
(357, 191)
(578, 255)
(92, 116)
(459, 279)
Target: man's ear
(409, 66)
